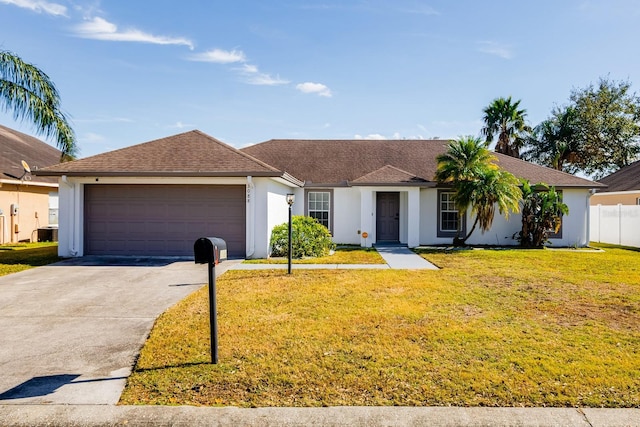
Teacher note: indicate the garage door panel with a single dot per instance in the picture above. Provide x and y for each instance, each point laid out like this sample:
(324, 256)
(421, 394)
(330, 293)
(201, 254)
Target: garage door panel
(162, 219)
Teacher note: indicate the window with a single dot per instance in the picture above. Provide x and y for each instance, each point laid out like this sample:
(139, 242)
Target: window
(448, 215)
(319, 207)
(638, 201)
(53, 208)
(557, 235)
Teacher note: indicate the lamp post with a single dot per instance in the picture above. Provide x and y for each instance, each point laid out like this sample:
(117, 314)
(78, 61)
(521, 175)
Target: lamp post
(290, 200)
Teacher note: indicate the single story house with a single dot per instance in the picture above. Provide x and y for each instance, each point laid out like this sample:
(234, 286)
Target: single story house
(158, 197)
(622, 187)
(28, 203)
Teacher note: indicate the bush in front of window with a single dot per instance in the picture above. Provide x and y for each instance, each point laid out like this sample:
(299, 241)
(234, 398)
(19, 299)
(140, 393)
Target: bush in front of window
(309, 238)
(542, 211)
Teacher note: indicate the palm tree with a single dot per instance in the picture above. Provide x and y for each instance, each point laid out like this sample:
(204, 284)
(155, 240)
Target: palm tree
(477, 182)
(494, 187)
(30, 94)
(503, 117)
(464, 159)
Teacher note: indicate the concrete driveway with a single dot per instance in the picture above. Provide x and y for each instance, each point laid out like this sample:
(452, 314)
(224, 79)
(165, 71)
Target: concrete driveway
(70, 331)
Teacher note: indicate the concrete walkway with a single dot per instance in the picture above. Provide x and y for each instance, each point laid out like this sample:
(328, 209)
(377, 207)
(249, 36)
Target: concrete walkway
(358, 416)
(395, 257)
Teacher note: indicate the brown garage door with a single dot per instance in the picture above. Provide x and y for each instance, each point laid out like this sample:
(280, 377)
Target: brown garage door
(162, 220)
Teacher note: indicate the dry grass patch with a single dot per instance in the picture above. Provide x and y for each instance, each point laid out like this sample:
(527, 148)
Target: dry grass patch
(492, 328)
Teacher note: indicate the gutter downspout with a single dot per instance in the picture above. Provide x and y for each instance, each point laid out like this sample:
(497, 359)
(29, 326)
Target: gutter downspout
(3, 228)
(251, 218)
(588, 231)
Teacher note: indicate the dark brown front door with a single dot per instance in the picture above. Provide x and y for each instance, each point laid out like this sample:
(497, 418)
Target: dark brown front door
(387, 217)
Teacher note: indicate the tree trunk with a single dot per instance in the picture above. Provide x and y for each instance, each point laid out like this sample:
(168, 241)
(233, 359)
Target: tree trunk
(462, 242)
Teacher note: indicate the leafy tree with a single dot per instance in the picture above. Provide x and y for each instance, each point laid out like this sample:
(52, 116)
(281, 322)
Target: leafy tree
(30, 94)
(309, 238)
(553, 143)
(477, 182)
(608, 126)
(542, 211)
(504, 118)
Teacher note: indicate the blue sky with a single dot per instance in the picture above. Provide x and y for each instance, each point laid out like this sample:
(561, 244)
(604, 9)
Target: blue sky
(248, 71)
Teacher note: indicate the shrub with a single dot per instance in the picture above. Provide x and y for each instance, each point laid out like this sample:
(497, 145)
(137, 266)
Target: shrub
(542, 211)
(309, 238)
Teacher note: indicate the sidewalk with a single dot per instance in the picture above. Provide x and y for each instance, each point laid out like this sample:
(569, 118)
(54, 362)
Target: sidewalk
(374, 416)
(395, 257)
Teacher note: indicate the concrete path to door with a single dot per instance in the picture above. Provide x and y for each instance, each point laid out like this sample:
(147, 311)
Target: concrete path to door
(71, 331)
(402, 258)
(395, 257)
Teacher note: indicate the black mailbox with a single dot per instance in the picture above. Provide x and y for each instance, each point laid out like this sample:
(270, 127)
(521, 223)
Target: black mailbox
(210, 250)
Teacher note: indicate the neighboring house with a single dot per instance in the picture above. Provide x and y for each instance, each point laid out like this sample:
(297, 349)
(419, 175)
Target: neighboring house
(157, 198)
(615, 210)
(28, 203)
(623, 187)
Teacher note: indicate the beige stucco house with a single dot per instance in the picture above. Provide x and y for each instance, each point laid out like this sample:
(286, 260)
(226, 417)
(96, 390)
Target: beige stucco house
(28, 203)
(622, 187)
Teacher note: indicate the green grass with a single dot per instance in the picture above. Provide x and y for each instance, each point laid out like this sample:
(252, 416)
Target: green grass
(22, 256)
(342, 255)
(491, 328)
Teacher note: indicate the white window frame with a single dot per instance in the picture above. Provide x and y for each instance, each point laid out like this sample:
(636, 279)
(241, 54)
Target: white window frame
(446, 232)
(309, 209)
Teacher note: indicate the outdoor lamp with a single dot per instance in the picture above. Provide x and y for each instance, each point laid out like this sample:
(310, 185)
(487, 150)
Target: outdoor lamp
(290, 200)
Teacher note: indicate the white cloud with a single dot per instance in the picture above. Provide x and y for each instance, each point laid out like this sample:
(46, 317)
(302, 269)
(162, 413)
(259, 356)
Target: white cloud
(39, 6)
(248, 69)
(394, 136)
(180, 125)
(317, 88)
(370, 136)
(101, 29)
(250, 72)
(253, 76)
(219, 56)
(494, 48)
(262, 79)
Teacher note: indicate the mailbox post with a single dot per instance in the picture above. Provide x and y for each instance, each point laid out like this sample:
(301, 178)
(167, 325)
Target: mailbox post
(210, 251)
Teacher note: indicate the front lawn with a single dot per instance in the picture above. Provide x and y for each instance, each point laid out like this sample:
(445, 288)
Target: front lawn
(491, 328)
(22, 256)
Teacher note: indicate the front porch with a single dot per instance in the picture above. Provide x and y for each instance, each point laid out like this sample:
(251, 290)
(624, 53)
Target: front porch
(390, 216)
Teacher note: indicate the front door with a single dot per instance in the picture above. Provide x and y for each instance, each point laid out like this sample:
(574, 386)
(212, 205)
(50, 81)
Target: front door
(387, 217)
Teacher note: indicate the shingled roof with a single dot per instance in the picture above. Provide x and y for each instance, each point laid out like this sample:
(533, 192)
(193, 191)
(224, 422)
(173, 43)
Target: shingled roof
(383, 162)
(191, 153)
(314, 162)
(625, 179)
(16, 146)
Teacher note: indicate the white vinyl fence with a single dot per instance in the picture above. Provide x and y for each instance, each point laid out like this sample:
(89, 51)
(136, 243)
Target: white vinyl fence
(617, 225)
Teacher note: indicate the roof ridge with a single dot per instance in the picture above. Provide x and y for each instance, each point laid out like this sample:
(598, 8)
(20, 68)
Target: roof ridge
(385, 167)
(224, 144)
